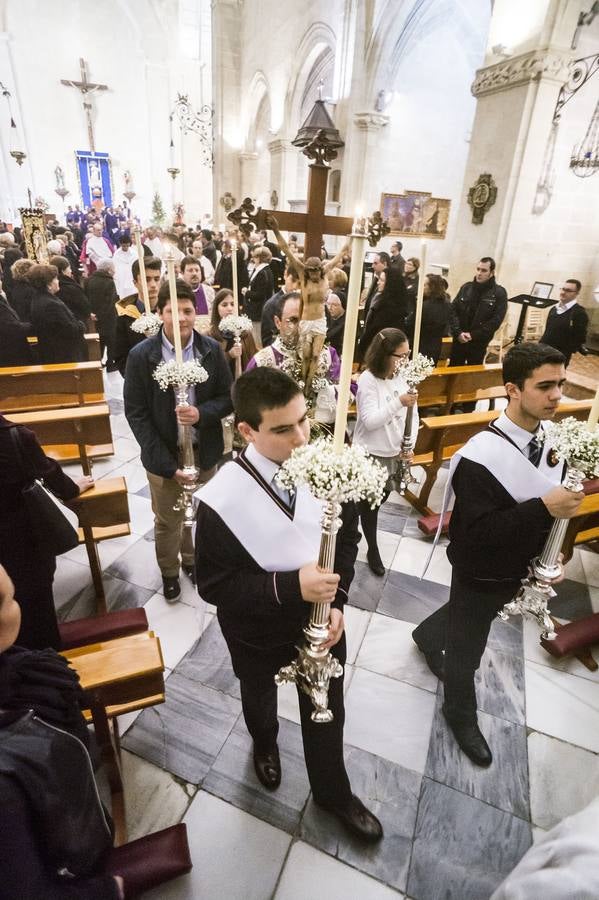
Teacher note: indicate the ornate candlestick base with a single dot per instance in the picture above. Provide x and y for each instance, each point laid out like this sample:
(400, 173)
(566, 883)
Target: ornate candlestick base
(533, 596)
(315, 666)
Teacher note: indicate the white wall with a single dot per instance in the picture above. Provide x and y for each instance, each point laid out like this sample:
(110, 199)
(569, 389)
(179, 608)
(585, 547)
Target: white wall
(145, 53)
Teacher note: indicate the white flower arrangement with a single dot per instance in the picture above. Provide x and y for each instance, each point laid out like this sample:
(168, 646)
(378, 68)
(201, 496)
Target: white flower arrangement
(170, 374)
(416, 370)
(351, 475)
(235, 325)
(572, 442)
(148, 323)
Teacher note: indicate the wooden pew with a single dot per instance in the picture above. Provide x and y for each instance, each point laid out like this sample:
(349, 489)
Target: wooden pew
(80, 434)
(459, 384)
(50, 387)
(118, 676)
(103, 513)
(584, 527)
(440, 436)
(92, 342)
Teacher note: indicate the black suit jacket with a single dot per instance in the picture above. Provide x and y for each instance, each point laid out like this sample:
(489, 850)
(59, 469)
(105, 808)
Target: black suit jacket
(568, 331)
(480, 314)
(59, 334)
(150, 411)
(260, 289)
(244, 594)
(491, 536)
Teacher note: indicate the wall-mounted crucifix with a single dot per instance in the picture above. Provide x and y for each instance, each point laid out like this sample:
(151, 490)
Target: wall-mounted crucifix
(86, 87)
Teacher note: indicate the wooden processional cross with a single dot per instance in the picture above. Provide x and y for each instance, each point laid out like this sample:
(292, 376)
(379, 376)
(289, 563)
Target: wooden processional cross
(314, 223)
(86, 87)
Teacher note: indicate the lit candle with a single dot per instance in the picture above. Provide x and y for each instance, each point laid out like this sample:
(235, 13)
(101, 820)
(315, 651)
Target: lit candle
(234, 273)
(358, 252)
(142, 271)
(594, 413)
(419, 300)
(172, 284)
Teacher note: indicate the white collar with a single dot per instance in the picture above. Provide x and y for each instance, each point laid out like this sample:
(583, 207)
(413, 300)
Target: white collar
(264, 466)
(259, 269)
(518, 435)
(562, 309)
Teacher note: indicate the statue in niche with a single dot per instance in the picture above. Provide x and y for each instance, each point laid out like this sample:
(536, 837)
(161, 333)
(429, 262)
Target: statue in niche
(59, 175)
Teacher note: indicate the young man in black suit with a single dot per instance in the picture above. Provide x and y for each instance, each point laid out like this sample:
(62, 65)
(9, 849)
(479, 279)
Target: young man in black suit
(507, 487)
(256, 552)
(567, 323)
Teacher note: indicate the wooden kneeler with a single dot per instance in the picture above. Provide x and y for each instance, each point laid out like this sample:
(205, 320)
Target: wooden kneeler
(103, 513)
(118, 676)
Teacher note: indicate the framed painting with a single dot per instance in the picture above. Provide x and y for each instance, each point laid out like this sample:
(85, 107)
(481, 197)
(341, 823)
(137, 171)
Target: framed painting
(416, 214)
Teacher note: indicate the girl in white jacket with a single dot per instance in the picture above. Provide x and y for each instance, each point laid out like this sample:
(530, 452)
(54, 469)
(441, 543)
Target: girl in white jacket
(382, 403)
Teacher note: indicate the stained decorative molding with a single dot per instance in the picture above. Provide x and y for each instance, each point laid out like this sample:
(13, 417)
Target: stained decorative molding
(279, 146)
(371, 121)
(521, 70)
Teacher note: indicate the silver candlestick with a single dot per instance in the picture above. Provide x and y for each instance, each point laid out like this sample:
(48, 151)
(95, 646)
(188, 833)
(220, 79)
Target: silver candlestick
(536, 591)
(403, 476)
(315, 665)
(187, 459)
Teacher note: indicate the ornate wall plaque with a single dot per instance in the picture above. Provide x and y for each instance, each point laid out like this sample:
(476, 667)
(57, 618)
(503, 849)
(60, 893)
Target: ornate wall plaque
(481, 197)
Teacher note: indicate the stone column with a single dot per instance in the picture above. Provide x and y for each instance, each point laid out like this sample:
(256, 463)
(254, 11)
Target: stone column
(249, 174)
(283, 166)
(360, 157)
(226, 93)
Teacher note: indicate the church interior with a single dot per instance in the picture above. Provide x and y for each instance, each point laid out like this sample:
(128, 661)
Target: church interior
(472, 128)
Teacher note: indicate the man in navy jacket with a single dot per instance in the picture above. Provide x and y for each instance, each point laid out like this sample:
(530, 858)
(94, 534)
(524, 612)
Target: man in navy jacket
(154, 420)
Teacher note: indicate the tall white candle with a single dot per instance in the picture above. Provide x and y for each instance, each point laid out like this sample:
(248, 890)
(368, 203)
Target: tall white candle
(358, 252)
(172, 284)
(142, 270)
(234, 273)
(594, 413)
(419, 300)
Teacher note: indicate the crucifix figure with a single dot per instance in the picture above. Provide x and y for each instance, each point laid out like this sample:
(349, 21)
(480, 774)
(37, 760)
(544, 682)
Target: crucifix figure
(86, 87)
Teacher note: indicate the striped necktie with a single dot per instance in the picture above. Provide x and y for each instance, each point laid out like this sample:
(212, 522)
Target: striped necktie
(535, 450)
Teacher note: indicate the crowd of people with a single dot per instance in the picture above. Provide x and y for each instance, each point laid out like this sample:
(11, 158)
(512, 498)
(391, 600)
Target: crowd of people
(256, 561)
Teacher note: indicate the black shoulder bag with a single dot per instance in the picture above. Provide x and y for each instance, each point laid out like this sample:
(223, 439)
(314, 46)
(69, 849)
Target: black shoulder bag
(49, 526)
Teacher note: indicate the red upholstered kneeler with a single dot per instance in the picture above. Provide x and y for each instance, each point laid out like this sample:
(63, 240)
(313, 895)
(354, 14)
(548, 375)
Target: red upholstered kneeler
(102, 628)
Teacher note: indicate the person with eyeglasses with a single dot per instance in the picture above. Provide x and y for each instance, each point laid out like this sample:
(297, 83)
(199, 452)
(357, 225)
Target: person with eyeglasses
(567, 323)
(382, 404)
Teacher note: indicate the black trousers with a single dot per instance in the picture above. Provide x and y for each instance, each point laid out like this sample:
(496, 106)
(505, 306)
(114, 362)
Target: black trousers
(461, 628)
(323, 743)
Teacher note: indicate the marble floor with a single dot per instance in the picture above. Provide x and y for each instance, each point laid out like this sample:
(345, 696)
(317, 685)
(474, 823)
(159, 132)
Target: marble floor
(452, 830)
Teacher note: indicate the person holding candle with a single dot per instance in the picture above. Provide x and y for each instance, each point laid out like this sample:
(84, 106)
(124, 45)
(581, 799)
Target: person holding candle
(382, 404)
(256, 561)
(506, 482)
(224, 305)
(223, 276)
(131, 308)
(153, 418)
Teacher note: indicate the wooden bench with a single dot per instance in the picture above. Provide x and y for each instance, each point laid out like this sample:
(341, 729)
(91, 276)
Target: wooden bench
(50, 387)
(459, 384)
(80, 434)
(92, 342)
(584, 527)
(440, 436)
(103, 513)
(118, 676)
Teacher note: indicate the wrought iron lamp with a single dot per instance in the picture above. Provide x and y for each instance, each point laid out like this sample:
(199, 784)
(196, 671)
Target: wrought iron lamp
(585, 156)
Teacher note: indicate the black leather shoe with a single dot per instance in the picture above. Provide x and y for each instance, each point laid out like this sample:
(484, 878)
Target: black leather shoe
(190, 571)
(471, 740)
(375, 562)
(171, 587)
(435, 660)
(359, 820)
(268, 767)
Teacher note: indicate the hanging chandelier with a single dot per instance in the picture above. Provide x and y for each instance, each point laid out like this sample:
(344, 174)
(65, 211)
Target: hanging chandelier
(585, 156)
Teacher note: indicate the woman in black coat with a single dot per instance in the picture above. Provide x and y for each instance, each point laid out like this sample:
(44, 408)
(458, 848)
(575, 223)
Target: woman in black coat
(30, 565)
(388, 309)
(11, 255)
(435, 318)
(59, 334)
(260, 289)
(21, 293)
(14, 347)
(71, 294)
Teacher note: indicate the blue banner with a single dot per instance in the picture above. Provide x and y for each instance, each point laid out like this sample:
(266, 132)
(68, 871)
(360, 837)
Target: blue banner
(95, 177)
